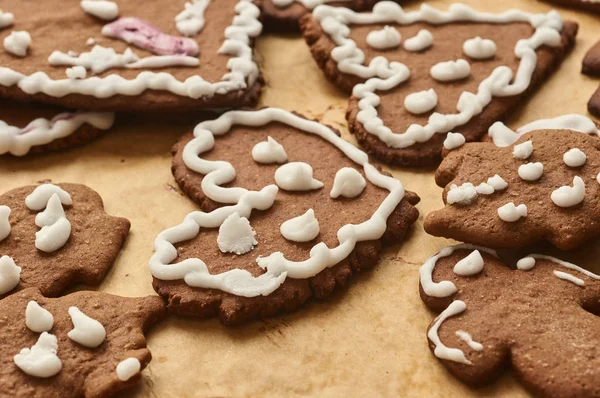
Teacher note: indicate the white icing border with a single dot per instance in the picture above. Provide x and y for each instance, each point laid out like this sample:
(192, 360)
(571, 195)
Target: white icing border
(240, 282)
(243, 71)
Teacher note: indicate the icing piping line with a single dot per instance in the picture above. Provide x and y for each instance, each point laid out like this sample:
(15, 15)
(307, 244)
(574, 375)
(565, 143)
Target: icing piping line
(566, 264)
(194, 271)
(441, 351)
(243, 71)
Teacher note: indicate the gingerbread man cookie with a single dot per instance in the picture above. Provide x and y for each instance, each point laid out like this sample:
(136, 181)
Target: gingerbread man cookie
(55, 236)
(289, 211)
(541, 318)
(540, 183)
(84, 344)
(416, 76)
(122, 55)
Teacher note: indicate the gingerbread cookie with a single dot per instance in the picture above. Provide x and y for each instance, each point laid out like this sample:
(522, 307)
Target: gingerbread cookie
(289, 211)
(540, 183)
(55, 236)
(591, 61)
(540, 318)
(415, 76)
(85, 344)
(118, 55)
(29, 128)
(594, 104)
(587, 5)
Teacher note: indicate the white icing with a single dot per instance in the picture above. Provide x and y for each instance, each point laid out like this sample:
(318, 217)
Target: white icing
(303, 228)
(76, 72)
(449, 71)
(10, 274)
(243, 71)
(190, 21)
(309, 4)
(497, 183)
(511, 213)
(103, 9)
(163, 61)
(236, 235)
(90, 41)
(348, 183)
(296, 176)
(86, 331)
(441, 351)
(55, 228)
(478, 48)
(574, 157)
(598, 178)
(17, 43)
(4, 222)
(463, 194)
(565, 264)
(38, 319)
(568, 277)
(454, 140)
(128, 368)
(268, 152)
(38, 199)
(526, 263)
(467, 338)
(6, 19)
(567, 196)
(240, 282)
(41, 359)
(97, 60)
(421, 41)
(384, 39)
(531, 171)
(523, 151)
(421, 102)
(18, 141)
(470, 265)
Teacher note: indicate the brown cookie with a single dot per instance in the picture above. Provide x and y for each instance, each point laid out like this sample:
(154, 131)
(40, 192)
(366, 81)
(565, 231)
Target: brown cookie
(588, 5)
(544, 186)
(34, 128)
(591, 61)
(63, 362)
(72, 241)
(542, 319)
(292, 223)
(420, 79)
(117, 55)
(594, 104)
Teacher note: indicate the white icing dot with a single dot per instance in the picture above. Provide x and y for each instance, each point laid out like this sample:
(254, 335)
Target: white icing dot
(454, 140)
(478, 48)
(567, 196)
(466, 337)
(41, 359)
(303, 228)
(269, 151)
(10, 274)
(523, 150)
(511, 213)
(296, 176)
(106, 10)
(598, 178)
(282, 3)
(574, 157)
(526, 263)
(384, 39)
(348, 183)
(421, 102)
(236, 235)
(86, 331)
(76, 72)
(451, 70)
(55, 228)
(485, 189)
(6, 19)
(420, 42)
(470, 265)
(128, 368)
(17, 43)
(531, 171)
(40, 196)
(497, 183)
(38, 319)
(4, 222)
(464, 194)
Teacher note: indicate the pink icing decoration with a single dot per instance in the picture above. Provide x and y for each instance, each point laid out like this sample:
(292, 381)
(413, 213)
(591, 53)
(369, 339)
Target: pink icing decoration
(148, 37)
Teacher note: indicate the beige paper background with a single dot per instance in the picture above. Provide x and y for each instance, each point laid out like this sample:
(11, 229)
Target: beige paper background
(368, 340)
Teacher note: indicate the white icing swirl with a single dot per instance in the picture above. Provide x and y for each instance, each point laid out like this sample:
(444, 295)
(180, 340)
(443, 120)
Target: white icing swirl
(128, 368)
(454, 140)
(574, 157)
(269, 151)
(466, 337)
(41, 359)
(296, 176)
(37, 318)
(190, 21)
(10, 274)
(303, 228)
(523, 151)
(451, 70)
(86, 331)
(567, 196)
(384, 39)
(236, 235)
(511, 213)
(478, 48)
(421, 102)
(531, 171)
(4, 222)
(470, 265)
(421, 41)
(55, 228)
(103, 9)
(442, 351)
(348, 183)
(17, 43)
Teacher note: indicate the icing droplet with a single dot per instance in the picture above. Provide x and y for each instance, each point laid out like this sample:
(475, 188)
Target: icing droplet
(236, 235)
(421, 102)
(41, 359)
(466, 337)
(56, 229)
(37, 318)
(574, 157)
(4, 222)
(384, 39)
(568, 277)
(567, 196)
(478, 48)
(6, 19)
(303, 228)
(497, 183)
(269, 151)
(470, 265)
(190, 21)
(454, 140)
(531, 171)
(526, 263)
(464, 194)
(296, 176)
(10, 274)
(523, 151)
(451, 70)
(501, 135)
(106, 10)
(598, 178)
(348, 183)
(86, 331)
(17, 43)
(422, 41)
(128, 368)
(76, 72)
(511, 213)
(40, 196)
